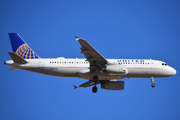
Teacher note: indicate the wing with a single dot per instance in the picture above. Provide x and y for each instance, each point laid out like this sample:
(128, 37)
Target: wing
(91, 83)
(86, 84)
(90, 53)
(95, 59)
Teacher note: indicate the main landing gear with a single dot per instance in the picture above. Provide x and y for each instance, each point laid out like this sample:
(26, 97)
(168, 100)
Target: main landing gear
(95, 79)
(152, 81)
(94, 89)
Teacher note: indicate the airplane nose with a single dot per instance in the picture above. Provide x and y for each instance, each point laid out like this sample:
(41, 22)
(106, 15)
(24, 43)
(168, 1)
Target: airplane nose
(169, 71)
(174, 71)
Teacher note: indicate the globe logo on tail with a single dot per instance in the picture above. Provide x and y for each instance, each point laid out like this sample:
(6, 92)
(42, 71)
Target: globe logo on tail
(25, 52)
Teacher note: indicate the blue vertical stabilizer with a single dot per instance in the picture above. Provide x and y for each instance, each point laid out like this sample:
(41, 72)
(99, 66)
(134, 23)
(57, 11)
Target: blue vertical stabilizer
(21, 48)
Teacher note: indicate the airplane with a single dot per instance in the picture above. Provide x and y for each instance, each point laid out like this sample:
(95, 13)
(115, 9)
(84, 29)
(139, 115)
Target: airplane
(95, 67)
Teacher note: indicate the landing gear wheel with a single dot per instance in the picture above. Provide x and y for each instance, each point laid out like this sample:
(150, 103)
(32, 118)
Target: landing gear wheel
(152, 85)
(152, 81)
(95, 78)
(94, 89)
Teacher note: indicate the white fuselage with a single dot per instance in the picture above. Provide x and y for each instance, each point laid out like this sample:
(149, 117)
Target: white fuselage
(137, 68)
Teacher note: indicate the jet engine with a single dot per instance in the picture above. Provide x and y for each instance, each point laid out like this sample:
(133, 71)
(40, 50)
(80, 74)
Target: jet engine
(117, 69)
(113, 85)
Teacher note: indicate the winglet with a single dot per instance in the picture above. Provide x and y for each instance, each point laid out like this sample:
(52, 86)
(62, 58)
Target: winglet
(75, 86)
(77, 38)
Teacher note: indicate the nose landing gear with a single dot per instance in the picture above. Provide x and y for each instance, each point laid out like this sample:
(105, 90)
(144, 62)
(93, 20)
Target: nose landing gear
(152, 81)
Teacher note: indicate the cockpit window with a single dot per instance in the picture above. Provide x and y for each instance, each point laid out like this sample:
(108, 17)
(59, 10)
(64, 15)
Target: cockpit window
(164, 64)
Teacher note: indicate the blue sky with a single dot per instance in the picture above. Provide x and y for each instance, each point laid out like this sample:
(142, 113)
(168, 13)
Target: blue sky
(116, 29)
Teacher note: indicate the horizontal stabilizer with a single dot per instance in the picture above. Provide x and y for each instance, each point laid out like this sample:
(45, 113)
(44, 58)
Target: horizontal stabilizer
(14, 68)
(16, 58)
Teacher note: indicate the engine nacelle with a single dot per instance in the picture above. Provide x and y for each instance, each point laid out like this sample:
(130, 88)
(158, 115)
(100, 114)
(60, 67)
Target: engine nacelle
(113, 85)
(117, 69)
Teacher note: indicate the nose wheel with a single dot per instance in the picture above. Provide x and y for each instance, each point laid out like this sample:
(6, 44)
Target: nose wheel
(152, 85)
(152, 81)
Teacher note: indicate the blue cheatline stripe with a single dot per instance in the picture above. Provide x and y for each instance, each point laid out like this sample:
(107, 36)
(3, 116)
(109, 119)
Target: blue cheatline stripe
(20, 47)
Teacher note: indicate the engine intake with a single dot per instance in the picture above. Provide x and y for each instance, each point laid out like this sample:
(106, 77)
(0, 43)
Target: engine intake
(113, 85)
